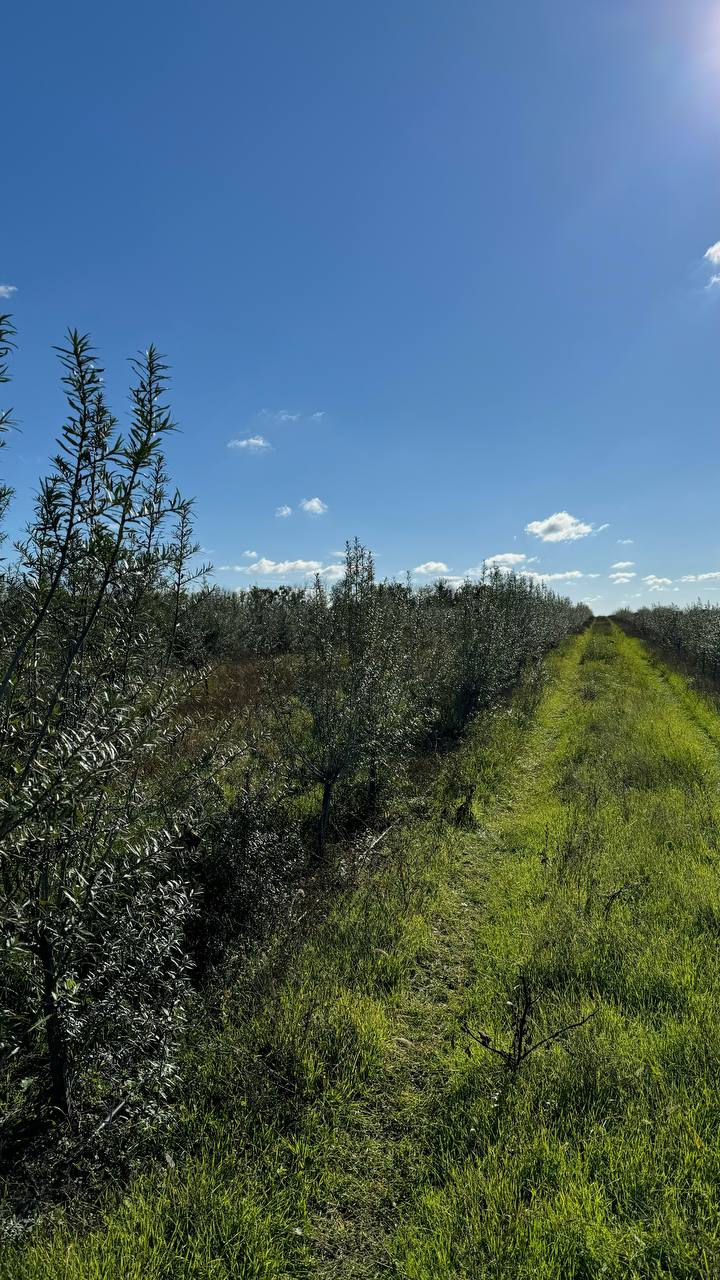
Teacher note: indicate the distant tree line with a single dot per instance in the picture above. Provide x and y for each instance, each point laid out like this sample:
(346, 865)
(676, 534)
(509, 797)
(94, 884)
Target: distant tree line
(174, 757)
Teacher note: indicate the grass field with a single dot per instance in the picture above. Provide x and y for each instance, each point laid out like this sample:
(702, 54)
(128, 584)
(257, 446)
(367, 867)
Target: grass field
(377, 1107)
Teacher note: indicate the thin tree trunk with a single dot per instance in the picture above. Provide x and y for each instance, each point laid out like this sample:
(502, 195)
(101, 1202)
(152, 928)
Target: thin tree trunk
(57, 1055)
(328, 788)
(373, 786)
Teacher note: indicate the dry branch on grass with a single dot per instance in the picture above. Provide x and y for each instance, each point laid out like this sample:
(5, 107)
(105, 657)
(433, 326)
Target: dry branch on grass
(523, 1005)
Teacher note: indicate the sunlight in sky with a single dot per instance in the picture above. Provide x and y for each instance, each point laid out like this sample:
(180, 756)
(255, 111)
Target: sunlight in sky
(704, 59)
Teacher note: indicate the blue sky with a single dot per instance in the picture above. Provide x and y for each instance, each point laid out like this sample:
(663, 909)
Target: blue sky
(446, 258)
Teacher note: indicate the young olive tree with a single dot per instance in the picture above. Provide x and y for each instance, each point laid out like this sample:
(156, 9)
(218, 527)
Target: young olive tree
(96, 778)
(347, 706)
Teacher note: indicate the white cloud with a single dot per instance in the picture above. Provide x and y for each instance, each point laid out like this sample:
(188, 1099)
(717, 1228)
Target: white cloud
(479, 570)
(712, 255)
(560, 527)
(282, 417)
(7, 290)
(700, 577)
(314, 506)
(570, 576)
(283, 512)
(601, 528)
(431, 566)
(506, 560)
(251, 555)
(625, 542)
(279, 415)
(263, 565)
(619, 578)
(254, 443)
(657, 584)
(591, 599)
(623, 564)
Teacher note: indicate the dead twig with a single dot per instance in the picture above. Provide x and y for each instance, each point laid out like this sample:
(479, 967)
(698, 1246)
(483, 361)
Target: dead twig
(524, 1005)
(611, 898)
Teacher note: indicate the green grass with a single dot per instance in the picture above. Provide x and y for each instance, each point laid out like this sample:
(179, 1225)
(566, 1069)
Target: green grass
(346, 1121)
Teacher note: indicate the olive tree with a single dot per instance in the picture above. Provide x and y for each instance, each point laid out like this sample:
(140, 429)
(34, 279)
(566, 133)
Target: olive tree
(97, 782)
(346, 704)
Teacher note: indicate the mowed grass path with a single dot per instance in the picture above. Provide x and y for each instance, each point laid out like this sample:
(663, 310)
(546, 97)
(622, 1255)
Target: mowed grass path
(353, 1124)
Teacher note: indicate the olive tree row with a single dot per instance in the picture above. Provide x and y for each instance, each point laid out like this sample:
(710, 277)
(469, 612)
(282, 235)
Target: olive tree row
(369, 672)
(692, 632)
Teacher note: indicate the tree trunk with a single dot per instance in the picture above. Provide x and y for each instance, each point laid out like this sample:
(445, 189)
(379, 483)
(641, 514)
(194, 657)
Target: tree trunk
(373, 786)
(328, 788)
(57, 1054)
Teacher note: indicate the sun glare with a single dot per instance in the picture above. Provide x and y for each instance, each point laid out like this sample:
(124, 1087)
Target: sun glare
(705, 42)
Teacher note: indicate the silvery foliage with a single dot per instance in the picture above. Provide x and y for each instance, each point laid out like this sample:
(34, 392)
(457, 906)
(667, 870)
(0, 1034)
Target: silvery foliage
(95, 781)
(376, 667)
(347, 701)
(693, 632)
(495, 629)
